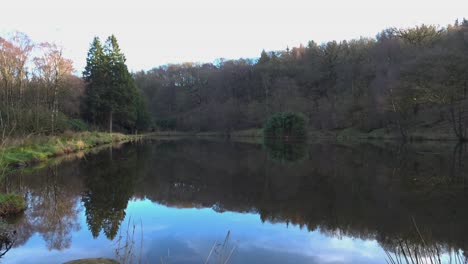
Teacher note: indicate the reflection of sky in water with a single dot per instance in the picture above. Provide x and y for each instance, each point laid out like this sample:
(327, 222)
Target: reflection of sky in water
(187, 235)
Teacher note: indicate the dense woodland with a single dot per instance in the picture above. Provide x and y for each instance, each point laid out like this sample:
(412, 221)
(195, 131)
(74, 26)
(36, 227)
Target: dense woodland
(402, 80)
(40, 93)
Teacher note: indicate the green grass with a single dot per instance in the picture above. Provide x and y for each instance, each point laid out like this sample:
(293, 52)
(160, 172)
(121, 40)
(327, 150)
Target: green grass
(37, 149)
(11, 204)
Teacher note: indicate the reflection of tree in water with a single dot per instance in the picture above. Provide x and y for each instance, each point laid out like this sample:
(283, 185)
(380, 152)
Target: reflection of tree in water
(59, 213)
(420, 247)
(359, 191)
(52, 208)
(404, 252)
(108, 190)
(285, 151)
(7, 239)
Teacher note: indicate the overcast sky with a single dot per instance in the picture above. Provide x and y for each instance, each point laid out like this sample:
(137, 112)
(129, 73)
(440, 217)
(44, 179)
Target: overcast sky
(157, 32)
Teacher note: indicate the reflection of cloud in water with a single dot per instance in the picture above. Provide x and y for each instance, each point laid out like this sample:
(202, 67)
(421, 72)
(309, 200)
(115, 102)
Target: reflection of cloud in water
(34, 253)
(154, 228)
(261, 255)
(313, 247)
(173, 250)
(365, 248)
(188, 235)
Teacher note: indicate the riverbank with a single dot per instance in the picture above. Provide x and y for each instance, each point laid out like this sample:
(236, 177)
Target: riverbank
(25, 151)
(342, 135)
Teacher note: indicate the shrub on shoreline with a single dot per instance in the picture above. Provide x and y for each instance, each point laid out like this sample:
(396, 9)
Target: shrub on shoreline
(285, 125)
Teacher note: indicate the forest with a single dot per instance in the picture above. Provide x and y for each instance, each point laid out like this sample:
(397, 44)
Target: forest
(40, 94)
(402, 81)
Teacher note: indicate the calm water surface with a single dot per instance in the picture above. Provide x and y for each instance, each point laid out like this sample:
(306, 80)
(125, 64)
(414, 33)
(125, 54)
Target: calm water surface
(175, 201)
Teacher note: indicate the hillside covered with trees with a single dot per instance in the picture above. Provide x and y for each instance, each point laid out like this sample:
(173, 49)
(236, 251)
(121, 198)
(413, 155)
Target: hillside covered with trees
(403, 80)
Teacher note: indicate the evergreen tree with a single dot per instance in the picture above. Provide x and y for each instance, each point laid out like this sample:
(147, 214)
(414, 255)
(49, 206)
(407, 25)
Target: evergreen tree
(143, 119)
(94, 78)
(119, 98)
(111, 94)
(264, 58)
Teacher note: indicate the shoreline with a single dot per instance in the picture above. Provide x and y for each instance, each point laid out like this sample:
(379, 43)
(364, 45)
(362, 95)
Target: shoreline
(342, 135)
(24, 152)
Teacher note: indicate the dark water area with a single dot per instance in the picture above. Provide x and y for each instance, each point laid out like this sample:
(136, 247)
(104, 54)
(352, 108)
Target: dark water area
(207, 201)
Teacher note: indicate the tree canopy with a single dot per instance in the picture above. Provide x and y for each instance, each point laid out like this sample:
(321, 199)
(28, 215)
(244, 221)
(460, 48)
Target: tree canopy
(403, 79)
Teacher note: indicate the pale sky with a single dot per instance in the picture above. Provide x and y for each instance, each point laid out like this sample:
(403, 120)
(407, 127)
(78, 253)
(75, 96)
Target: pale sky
(157, 32)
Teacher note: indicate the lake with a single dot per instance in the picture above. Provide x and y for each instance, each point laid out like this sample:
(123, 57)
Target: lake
(219, 201)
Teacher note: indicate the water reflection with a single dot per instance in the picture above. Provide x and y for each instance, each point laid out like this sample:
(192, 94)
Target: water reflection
(52, 208)
(364, 192)
(109, 184)
(285, 151)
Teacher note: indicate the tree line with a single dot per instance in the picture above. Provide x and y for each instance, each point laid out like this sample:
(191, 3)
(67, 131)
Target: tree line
(402, 80)
(37, 88)
(39, 93)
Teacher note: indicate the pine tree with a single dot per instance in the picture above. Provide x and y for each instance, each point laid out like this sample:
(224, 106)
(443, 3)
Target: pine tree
(264, 58)
(111, 94)
(94, 76)
(120, 97)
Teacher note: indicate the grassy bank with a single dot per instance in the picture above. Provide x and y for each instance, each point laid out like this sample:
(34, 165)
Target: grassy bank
(24, 151)
(20, 152)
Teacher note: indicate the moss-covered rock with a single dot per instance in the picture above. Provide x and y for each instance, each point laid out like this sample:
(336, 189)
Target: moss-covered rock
(11, 204)
(93, 261)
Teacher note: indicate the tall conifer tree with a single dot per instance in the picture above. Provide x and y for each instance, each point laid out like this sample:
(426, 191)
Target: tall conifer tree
(111, 94)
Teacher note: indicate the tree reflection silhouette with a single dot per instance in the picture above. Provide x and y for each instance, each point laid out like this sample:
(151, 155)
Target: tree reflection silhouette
(285, 151)
(108, 190)
(362, 191)
(52, 209)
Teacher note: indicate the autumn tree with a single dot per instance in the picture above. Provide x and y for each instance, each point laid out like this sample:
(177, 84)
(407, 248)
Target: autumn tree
(53, 70)
(33, 89)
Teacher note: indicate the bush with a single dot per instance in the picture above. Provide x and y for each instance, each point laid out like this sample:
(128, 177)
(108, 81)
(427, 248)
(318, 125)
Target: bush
(285, 125)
